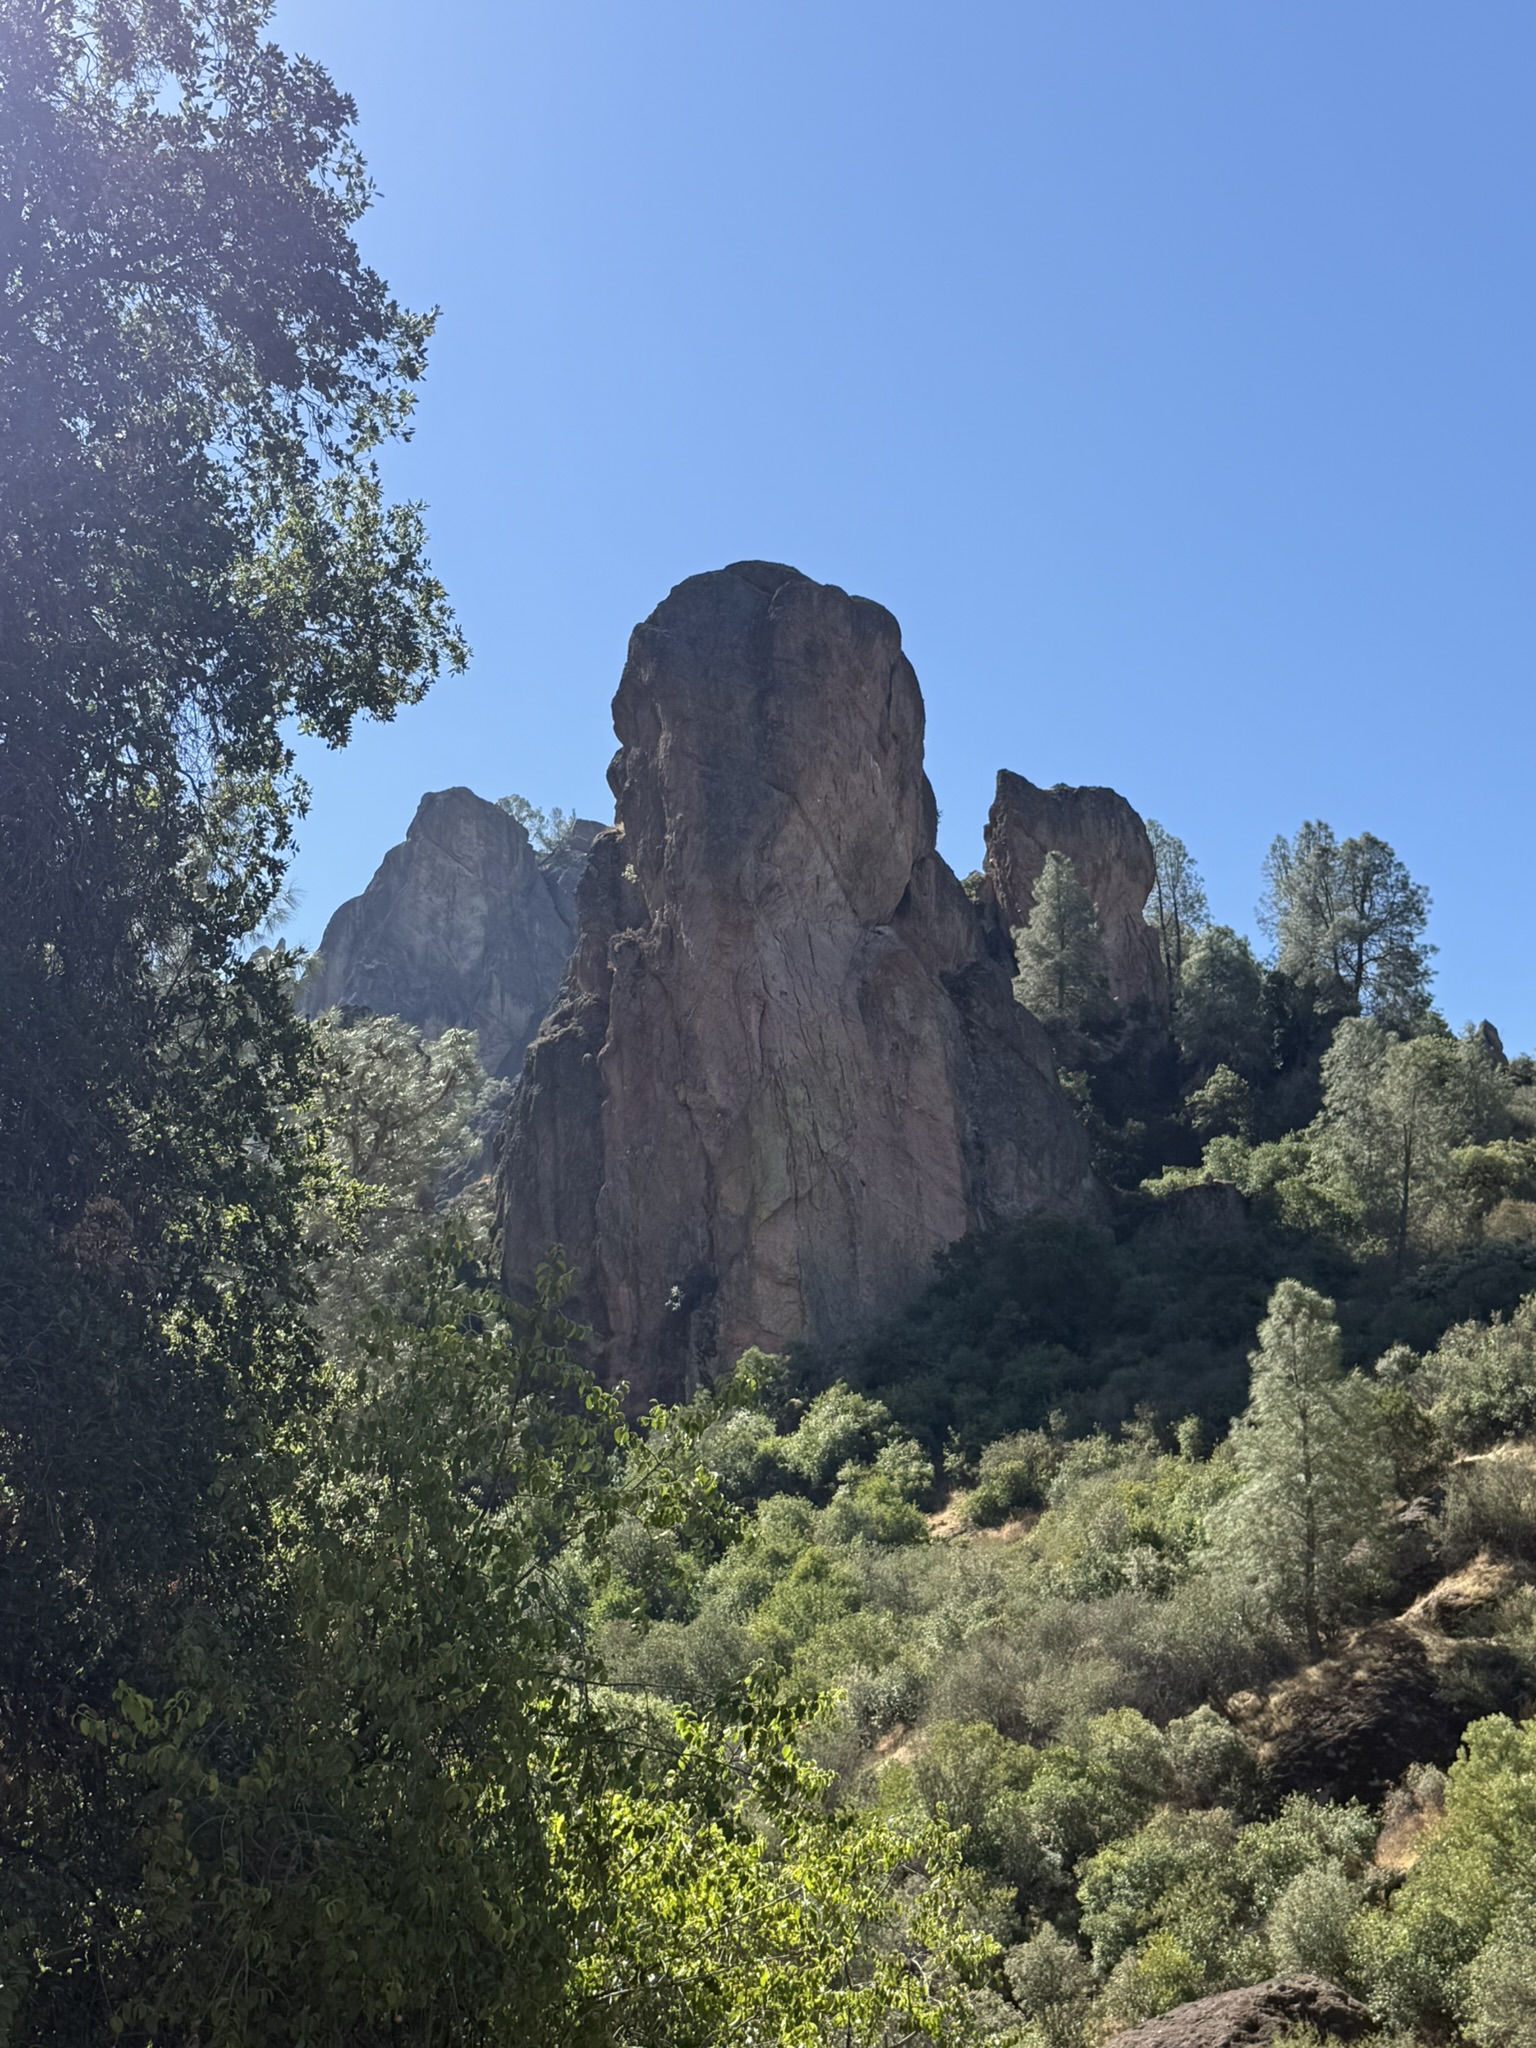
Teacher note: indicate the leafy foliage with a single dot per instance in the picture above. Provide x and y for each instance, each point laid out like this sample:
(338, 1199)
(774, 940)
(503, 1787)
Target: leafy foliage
(548, 830)
(199, 373)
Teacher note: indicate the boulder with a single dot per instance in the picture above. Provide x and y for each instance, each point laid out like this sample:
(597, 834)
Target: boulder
(785, 1067)
(1111, 854)
(1394, 1693)
(463, 924)
(1247, 2018)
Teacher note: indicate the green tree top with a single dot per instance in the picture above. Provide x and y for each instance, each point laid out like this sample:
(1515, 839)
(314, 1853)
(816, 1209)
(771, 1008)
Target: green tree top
(1306, 1527)
(1347, 917)
(1178, 909)
(548, 830)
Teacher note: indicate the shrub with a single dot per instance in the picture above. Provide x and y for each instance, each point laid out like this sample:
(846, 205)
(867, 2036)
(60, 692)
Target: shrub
(904, 1464)
(839, 1426)
(739, 1450)
(1210, 1763)
(1479, 1382)
(1491, 1501)
(699, 1664)
(872, 1509)
(1053, 1986)
(818, 1588)
(1153, 1979)
(1308, 1925)
(1501, 1985)
(1125, 1889)
(1012, 1475)
(1420, 1962)
(975, 1778)
(768, 1546)
(1306, 1833)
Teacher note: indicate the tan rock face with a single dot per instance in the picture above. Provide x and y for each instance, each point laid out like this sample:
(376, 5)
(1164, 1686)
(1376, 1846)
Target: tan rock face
(1108, 847)
(785, 1067)
(463, 924)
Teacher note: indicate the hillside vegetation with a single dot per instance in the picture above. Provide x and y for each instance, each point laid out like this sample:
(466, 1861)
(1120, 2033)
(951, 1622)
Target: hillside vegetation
(1147, 1606)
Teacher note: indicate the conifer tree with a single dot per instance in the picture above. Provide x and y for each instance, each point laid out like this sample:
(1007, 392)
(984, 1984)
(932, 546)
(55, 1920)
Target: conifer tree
(1393, 1112)
(1306, 1528)
(1177, 909)
(1060, 951)
(1221, 1019)
(1347, 918)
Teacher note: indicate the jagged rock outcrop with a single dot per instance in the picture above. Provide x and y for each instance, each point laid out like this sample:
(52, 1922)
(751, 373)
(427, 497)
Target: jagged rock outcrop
(785, 1066)
(1108, 847)
(463, 924)
(1253, 2016)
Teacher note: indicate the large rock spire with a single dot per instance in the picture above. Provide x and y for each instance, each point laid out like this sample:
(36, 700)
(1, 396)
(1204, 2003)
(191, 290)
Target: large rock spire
(785, 1066)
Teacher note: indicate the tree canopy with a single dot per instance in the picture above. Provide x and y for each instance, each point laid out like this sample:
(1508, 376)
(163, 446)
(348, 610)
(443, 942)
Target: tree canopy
(196, 547)
(1346, 916)
(1177, 909)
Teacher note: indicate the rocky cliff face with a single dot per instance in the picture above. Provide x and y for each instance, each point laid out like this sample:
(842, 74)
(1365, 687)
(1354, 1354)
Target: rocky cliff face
(785, 1066)
(462, 925)
(1108, 847)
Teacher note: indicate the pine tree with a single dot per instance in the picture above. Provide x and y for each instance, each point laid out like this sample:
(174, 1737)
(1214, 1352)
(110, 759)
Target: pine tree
(1178, 909)
(1060, 951)
(1221, 1018)
(1307, 1527)
(1394, 1110)
(1347, 918)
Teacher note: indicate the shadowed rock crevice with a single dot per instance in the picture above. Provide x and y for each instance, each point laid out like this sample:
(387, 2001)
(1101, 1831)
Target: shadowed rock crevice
(784, 1068)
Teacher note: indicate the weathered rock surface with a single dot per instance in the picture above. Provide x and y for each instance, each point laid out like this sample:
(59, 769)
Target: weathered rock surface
(462, 925)
(562, 866)
(1391, 1694)
(1108, 847)
(1247, 2018)
(785, 1066)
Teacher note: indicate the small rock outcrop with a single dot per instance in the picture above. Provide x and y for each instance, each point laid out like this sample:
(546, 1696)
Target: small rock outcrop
(786, 1066)
(1249, 2018)
(1391, 1694)
(1108, 847)
(463, 924)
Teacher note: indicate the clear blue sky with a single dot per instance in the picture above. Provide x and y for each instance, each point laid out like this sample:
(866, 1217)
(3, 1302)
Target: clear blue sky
(1169, 370)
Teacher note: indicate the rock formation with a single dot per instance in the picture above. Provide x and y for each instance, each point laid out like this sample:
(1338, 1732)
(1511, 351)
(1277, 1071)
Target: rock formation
(1396, 1692)
(785, 1066)
(1108, 847)
(464, 924)
(1253, 2016)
